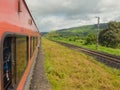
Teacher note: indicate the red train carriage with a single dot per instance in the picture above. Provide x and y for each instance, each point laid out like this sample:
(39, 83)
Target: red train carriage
(19, 38)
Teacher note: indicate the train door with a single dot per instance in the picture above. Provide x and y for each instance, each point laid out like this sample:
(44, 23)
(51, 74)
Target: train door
(7, 64)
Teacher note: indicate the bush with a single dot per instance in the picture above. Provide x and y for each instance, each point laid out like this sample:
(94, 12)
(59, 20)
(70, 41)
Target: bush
(90, 39)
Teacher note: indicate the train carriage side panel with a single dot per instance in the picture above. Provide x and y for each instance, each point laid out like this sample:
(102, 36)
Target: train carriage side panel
(16, 19)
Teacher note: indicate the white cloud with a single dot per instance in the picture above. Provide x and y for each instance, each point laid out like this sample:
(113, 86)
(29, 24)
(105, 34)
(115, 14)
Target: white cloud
(57, 14)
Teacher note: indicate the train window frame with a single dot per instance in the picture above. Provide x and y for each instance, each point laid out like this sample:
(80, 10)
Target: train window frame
(13, 44)
(7, 73)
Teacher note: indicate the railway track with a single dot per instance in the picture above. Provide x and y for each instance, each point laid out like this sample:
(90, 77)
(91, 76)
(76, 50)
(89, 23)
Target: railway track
(108, 59)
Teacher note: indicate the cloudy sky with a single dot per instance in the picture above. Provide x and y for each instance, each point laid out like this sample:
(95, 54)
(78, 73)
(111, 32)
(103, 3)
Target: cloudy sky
(58, 14)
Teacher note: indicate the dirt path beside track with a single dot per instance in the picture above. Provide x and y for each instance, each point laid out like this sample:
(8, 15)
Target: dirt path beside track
(39, 81)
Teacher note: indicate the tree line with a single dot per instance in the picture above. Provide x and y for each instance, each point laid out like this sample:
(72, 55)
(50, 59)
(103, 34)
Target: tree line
(109, 37)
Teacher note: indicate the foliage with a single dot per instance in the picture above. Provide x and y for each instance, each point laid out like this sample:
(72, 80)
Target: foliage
(91, 39)
(110, 37)
(92, 47)
(76, 34)
(81, 31)
(52, 34)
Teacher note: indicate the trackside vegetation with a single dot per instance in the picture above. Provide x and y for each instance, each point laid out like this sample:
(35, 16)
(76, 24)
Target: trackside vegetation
(85, 36)
(71, 70)
(110, 37)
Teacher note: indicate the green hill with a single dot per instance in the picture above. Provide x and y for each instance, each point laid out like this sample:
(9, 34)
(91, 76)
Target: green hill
(81, 31)
(76, 32)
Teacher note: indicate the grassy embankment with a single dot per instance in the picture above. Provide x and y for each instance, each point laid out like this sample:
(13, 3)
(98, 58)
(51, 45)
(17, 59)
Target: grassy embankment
(108, 50)
(70, 70)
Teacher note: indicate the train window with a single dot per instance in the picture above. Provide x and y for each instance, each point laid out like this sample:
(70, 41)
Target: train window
(7, 63)
(31, 46)
(35, 41)
(34, 44)
(15, 56)
(21, 56)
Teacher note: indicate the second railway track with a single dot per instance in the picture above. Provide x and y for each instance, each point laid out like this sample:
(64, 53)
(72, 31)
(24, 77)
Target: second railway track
(108, 59)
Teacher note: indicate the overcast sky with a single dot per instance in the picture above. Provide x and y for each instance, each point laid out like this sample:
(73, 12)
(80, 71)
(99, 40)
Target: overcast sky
(58, 14)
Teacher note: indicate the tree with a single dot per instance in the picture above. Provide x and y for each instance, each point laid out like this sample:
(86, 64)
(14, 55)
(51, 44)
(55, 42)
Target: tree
(90, 39)
(110, 37)
(52, 34)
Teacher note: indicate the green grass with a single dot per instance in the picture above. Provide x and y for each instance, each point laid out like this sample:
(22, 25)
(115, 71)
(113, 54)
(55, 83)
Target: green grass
(71, 70)
(108, 50)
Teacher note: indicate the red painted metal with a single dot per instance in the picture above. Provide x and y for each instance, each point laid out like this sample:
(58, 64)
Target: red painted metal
(11, 18)
(18, 20)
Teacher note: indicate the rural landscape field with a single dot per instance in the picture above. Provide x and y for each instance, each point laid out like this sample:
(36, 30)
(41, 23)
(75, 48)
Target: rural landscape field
(80, 43)
(67, 69)
(59, 44)
(71, 70)
(85, 36)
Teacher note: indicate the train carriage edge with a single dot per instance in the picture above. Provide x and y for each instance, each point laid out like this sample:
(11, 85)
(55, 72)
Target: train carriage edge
(19, 41)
